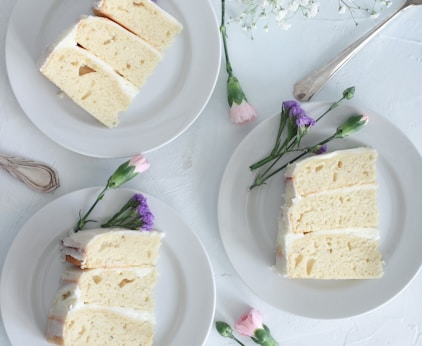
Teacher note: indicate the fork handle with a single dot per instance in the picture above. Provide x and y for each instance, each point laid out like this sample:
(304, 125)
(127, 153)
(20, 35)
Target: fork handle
(305, 89)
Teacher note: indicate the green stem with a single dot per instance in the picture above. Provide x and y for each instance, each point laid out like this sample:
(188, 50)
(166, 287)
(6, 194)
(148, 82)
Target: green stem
(334, 105)
(235, 339)
(82, 221)
(277, 149)
(287, 145)
(262, 178)
(265, 176)
(224, 37)
(283, 120)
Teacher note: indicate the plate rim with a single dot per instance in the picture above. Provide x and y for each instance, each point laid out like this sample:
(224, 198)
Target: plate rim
(200, 250)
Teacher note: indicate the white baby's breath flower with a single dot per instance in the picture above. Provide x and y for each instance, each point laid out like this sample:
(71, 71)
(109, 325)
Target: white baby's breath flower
(294, 6)
(374, 14)
(281, 15)
(312, 10)
(252, 12)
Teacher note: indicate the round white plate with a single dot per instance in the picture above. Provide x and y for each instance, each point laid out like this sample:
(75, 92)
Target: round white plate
(248, 219)
(185, 292)
(170, 101)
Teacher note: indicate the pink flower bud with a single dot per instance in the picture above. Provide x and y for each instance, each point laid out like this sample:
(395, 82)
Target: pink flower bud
(140, 163)
(242, 113)
(249, 322)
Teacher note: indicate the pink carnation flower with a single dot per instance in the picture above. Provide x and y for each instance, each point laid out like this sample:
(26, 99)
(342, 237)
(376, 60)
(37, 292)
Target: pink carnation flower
(140, 163)
(242, 113)
(249, 322)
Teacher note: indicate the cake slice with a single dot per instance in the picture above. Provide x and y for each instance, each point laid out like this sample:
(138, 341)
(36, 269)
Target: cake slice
(340, 169)
(144, 18)
(328, 227)
(88, 81)
(126, 53)
(112, 247)
(73, 324)
(129, 287)
(97, 306)
(112, 303)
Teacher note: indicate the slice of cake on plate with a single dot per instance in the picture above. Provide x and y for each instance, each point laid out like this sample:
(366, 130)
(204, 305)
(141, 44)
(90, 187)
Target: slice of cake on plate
(144, 18)
(328, 226)
(103, 61)
(112, 302)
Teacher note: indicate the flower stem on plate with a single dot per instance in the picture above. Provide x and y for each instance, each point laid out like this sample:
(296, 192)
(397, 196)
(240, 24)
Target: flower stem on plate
(294, 125)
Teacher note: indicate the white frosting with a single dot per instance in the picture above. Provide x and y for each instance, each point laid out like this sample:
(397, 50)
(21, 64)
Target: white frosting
(291, 196)
(73, 274)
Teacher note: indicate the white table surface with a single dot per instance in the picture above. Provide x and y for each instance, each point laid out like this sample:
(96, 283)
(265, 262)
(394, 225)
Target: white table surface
(186, 173)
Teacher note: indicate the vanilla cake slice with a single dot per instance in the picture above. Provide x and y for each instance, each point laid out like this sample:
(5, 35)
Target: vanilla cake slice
(144, 18)
(328, 227)
(130, 56)
(111, 301)
(88, 80)
(126, 287)
(112, 247)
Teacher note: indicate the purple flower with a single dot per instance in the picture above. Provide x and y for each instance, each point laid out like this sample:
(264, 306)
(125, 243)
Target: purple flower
(125, 172)
(135, 214)
(304, 120)
(296, 111)
(319, 149)
(298, 114)
(290, 104)
(139, 199)
(147, 218)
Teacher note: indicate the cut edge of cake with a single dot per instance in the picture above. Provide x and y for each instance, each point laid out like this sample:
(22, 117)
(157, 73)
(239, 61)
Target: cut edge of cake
(144, 12)
(80, 248)
(110, 92)
(319, 244)
(129, 55)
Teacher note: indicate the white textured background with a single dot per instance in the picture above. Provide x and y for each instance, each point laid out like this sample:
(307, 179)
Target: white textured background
(186, 173)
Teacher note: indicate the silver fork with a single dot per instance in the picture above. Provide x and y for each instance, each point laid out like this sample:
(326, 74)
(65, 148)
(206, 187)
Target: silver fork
(305, 89)
(36, 175)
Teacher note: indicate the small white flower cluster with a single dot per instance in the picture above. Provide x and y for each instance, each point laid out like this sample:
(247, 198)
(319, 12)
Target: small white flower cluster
(282, 11)
(352, 6)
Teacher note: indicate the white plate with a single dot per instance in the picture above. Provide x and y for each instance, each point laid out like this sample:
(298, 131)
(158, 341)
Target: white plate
(168, 104)
(248, 219)
(185, 293)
